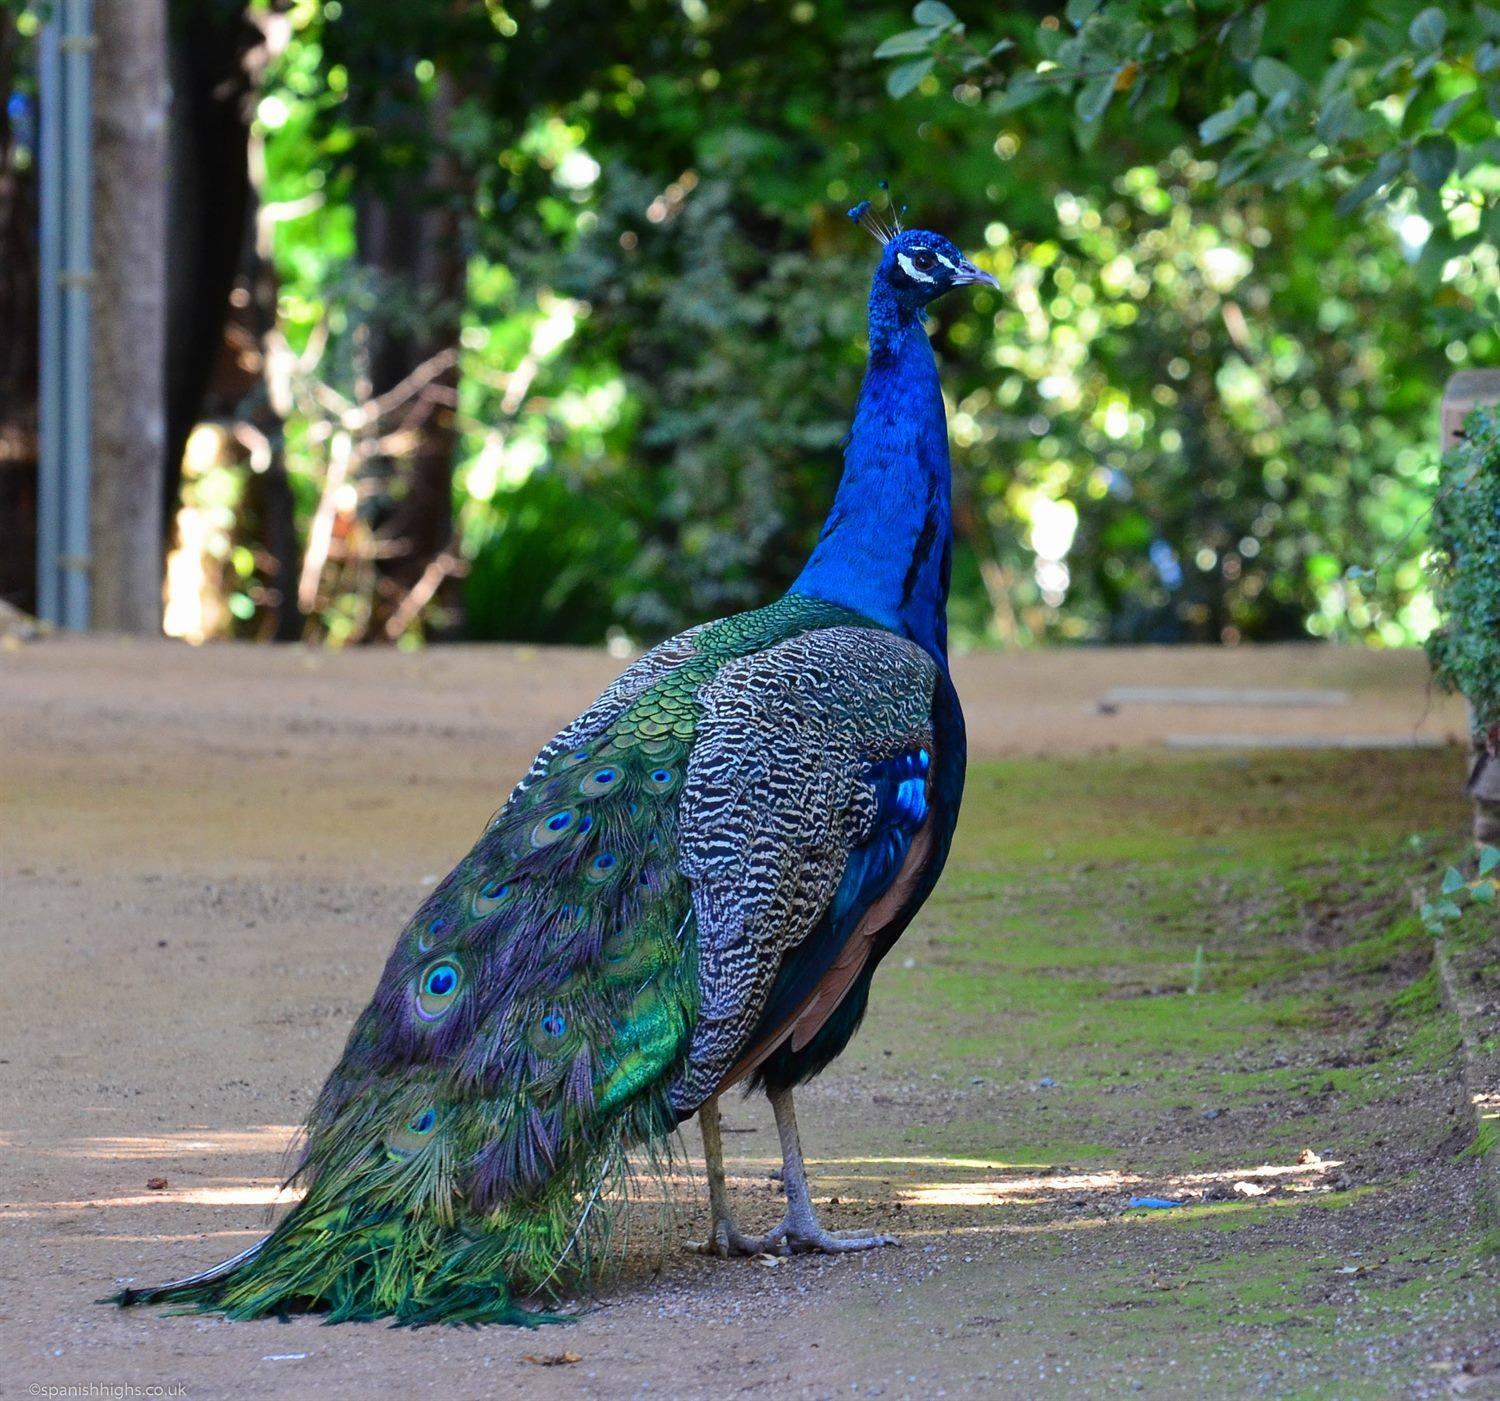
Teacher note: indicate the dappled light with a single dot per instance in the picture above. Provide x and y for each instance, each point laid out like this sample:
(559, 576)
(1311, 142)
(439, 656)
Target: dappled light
(1035, 1189)
(923, 1182)
(174, 1196)
(273, 1137)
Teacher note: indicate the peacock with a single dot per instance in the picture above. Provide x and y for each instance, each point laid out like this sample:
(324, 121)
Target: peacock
(690, 888)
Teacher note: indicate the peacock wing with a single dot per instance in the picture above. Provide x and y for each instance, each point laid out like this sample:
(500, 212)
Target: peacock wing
(806, 759)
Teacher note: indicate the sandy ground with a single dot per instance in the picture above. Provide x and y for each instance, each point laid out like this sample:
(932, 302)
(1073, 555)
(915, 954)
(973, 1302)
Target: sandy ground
(203, 858)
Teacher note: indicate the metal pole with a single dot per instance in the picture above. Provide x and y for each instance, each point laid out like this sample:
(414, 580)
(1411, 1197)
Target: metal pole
(66, 60)
(77, 281)
(49, 389)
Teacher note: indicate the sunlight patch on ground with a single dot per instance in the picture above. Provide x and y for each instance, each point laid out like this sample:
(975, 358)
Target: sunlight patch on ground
(1022, 1189)
(261, 1138)
(925, 1161)
(248, 1195)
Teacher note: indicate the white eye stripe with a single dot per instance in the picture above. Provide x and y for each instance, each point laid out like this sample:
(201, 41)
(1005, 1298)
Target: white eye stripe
(952, 267)
(911, 269)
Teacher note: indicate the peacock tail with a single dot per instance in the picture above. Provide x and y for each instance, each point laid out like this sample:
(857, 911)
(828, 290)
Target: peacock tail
(538, 1016)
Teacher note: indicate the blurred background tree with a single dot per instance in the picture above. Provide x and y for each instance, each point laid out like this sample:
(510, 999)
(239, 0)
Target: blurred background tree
(544, 320)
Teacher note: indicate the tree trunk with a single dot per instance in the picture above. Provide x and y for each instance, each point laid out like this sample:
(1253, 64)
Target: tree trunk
(413, 237)
(209, 207)
(129, 389)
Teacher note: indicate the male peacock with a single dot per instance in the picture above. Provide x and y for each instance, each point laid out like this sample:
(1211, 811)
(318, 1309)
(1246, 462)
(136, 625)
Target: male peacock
(691, 887)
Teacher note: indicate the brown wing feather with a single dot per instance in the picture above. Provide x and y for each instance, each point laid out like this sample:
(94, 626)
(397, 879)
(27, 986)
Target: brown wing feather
(833, 987)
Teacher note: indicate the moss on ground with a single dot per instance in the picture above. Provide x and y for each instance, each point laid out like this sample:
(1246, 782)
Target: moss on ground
(1177, 973)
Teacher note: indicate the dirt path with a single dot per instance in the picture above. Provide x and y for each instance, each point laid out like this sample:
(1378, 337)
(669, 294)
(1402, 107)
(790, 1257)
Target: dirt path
(205, 855)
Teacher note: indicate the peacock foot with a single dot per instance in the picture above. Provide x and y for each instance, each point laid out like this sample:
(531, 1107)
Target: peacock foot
(817, 1241)
(787, 1237)
(728, 1242)
(799, 1232)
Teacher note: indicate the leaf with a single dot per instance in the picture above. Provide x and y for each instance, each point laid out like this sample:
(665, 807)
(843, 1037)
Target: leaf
(1288, 170)
(1448, 910)
(934, 13)
(1281, 99)
(1245, 34)
(1022, 89)
(1156, 94)
(1049, 42)
(1453, 881)
(1432, 160)
(1358, 193)
(910, 41)
(1271, 76)
(1386, 169)
(1333, 79)
(1441, 116)
(1392, 66)
(1489, 859)
(1086, 134)
(1078, 11)
(1093, 98)
(1487, 57)
(1335, 118)
(1489, 18)
(1218, 126)
(905, 77)
(1483, 894)
(1239, 162)
(1428, 28)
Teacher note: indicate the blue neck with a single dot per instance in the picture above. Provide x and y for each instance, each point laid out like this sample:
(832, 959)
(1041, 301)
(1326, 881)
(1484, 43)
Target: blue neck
(886, 546)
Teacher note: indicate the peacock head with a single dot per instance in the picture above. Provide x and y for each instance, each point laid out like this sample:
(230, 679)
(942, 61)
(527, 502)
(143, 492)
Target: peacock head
(916, 265)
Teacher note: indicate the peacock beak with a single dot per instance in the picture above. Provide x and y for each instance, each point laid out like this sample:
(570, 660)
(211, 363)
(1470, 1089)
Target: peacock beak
(967, 275)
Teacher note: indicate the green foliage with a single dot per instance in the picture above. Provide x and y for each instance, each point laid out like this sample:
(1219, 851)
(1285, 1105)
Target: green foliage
(1370, 102)
(1193, 413)
(1459, 893)
(1465, 648)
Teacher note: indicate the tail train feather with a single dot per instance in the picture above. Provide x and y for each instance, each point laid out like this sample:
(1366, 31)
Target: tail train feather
(522, 1040)
(160, 1293)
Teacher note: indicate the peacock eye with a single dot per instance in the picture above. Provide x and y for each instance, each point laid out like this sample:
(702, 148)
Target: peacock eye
(554, 827)
(923, 259)
(553, 1036)
(599, 781)
(490, 895)
(437, 989)
(407, 1141)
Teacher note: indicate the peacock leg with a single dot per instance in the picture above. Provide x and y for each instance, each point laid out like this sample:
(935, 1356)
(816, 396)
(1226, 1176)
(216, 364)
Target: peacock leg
(800, 1229)
(725, 1239)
